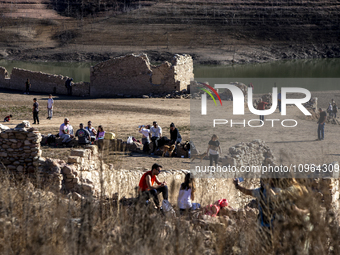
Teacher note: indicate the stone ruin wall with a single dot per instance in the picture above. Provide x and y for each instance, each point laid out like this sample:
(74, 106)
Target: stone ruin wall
(20, 150)
(82, 173)
(255, 153)
(128, 75)
(134, 75)
(42, 82)
(4, 78)
(20, 153)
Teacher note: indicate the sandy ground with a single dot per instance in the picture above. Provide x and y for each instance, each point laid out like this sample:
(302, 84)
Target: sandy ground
(122, 116)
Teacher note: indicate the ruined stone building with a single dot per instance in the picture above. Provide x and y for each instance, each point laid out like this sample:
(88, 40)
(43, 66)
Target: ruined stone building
(127, 75)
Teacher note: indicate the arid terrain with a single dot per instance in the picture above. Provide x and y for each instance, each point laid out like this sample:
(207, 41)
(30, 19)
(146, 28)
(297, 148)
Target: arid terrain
(213, 32)
(122, 116)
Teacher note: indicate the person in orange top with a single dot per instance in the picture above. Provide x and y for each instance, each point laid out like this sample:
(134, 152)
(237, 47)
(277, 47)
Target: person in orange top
(148, 187)
(261, 106)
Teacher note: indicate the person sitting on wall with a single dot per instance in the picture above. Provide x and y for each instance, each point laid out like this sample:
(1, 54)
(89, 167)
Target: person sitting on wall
(156, 134)
(66, 131)
(8, 118)
(83, 135)
(148, 188)
(92, 131)
(101, 133)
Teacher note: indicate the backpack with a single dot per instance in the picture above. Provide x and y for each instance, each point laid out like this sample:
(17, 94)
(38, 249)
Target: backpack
(168, 210)
(50, 139)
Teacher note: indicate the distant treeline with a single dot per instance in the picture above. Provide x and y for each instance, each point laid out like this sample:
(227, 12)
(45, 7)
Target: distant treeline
(83, 8)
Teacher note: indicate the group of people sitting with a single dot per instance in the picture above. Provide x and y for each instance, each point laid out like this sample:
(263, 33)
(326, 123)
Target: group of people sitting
(85, 135)
(152, 134)
(150, 186)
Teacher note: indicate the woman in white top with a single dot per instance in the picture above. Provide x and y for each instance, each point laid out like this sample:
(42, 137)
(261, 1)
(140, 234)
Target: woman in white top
(214, 149)
(187, 195)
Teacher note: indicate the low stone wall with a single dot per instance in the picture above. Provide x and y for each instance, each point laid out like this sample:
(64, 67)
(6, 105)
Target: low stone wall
(46, 83)
(255, 153)
(20, 149)
(84, 173)
(134, 75)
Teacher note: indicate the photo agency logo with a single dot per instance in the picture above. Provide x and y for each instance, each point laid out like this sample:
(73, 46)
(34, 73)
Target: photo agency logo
(239, 102)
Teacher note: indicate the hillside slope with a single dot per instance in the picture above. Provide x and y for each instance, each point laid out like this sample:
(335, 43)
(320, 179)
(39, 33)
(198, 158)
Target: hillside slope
(217, 31)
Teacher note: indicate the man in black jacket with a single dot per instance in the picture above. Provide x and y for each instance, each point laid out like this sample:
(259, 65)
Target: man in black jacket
(321, 126)
(175, 137)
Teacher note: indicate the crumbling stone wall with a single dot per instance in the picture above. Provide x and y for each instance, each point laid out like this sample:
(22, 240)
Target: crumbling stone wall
(20, 149)
(85, 174)
(41, 82)
(134, 75)
(44, 82)
(255, 153)
(4, 78)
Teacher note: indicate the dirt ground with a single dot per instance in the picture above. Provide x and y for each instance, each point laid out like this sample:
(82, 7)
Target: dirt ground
(122, 116)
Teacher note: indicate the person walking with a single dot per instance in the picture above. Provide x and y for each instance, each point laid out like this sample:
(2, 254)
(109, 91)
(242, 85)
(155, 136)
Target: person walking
(330, 110)
(321, 124)
(50, 103)
(28, 86)
(261, 106)
(35, 111)
(335, 110)
(214, 149)
(279, 101)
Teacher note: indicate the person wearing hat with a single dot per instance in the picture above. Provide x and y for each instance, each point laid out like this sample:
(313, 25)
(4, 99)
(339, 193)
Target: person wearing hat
(156, 134)
(150, 186)
(175, 136)
(83, 135)
(91, 130)
(35, 111)
(66, 131)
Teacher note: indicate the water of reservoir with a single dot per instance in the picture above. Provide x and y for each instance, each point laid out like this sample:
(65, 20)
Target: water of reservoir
(250, 73)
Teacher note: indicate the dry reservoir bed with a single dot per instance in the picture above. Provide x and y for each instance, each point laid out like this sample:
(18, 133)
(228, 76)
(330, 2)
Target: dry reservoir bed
(122, 116)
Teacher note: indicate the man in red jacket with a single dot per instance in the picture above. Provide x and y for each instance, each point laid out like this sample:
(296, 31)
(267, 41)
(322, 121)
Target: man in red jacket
(148, 187)
(261, 106)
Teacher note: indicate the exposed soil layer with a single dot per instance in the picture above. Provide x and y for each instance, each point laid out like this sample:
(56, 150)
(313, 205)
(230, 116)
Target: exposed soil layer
(214, 32)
